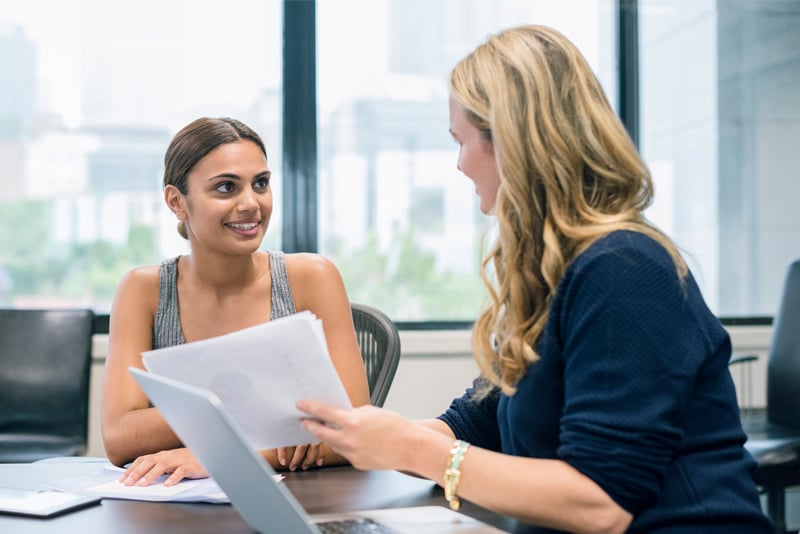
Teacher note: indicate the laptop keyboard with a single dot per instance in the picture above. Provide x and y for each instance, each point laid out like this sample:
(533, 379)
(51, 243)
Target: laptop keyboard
(354, 526)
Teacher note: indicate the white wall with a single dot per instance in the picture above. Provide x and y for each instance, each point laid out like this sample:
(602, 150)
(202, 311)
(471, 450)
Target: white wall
(437, 366)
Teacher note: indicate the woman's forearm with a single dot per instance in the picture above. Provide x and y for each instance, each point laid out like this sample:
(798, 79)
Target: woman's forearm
(549, 493)
(136, 433)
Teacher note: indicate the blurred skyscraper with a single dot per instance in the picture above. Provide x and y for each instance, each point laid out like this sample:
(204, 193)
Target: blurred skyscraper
(17, 84)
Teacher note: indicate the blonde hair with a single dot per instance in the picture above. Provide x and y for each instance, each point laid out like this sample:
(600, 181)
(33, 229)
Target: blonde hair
(569, 175)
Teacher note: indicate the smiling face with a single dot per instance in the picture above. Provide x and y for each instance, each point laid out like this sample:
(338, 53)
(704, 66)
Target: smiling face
(475, 156)
(229, 200)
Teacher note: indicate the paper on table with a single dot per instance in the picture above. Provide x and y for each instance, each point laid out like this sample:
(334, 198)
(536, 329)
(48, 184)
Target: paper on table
(157, 489)
(260, 373)
(105, 483)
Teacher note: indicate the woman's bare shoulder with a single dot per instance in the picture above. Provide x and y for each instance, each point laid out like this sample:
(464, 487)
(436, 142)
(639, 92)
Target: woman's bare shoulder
(310, 265)
(146, 274)
(313, 278)
(143, 281)
(136, 297)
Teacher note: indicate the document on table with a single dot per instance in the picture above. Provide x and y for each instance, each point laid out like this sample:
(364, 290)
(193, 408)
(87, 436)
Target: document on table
(104, 483)
(259, 374)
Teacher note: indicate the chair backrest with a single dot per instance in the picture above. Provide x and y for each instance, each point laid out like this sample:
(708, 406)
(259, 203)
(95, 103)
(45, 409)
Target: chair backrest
(380, 348)
(783, 370)
(45, 365)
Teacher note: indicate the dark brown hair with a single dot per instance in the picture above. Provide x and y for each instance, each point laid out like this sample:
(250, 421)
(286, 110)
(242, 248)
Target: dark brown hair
(194, 142)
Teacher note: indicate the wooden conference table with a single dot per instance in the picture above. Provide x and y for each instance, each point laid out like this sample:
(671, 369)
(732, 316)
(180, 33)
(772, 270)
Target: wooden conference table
(327, 490)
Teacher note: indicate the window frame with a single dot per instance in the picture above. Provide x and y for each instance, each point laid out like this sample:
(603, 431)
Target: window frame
(299, 158)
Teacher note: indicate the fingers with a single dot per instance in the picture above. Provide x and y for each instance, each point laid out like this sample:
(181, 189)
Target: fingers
(306, 457)
(319, 430)
(324, 421)
(142, 472)
(313, 457)
(176, 476)
(323, 412)
(302, 456)
(318, 452)
(282, 453)
(177, 463)
(298, 457)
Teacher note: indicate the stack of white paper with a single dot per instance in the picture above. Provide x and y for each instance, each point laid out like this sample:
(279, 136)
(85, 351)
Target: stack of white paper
(105, 483)
(260, 373)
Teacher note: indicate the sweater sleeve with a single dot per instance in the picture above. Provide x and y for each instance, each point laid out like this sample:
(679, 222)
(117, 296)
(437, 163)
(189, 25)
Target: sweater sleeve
(633, 342)
(475, 420)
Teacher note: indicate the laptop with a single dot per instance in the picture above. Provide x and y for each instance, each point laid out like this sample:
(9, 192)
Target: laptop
(204, 425)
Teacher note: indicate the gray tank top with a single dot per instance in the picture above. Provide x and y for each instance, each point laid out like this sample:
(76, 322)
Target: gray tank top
(167, 330)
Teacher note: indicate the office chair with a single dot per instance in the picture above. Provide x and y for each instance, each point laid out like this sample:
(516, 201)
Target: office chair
(380, 348)
(45, 361)
(773, 433)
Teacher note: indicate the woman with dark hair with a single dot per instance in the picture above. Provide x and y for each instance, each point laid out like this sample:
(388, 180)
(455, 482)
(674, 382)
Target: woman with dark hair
(604, 402)
(217, 183)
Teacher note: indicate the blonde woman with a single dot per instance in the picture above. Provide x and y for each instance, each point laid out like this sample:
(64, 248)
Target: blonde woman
(604, 402)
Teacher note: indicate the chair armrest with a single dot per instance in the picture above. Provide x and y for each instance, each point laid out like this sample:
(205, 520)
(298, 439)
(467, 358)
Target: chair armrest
(744, 393)
(744, 358)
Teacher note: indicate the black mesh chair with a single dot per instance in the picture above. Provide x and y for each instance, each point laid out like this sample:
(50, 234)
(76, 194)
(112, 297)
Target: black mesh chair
(380, 348)
(45, 363)
(773, 433)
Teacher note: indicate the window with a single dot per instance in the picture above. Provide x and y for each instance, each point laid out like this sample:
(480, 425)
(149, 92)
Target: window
(720, 127)
(90, 94)
(92, 91)
(96, 89)
(394, 212)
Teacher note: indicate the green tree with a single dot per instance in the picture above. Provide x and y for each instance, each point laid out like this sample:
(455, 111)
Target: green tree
(81, 272)
(405, 283)
(24, 251)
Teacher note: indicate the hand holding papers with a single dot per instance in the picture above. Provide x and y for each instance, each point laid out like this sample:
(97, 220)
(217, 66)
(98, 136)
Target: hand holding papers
(259, 374)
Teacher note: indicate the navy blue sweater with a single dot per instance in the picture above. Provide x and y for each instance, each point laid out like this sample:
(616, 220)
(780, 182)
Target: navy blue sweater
(632, 389)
